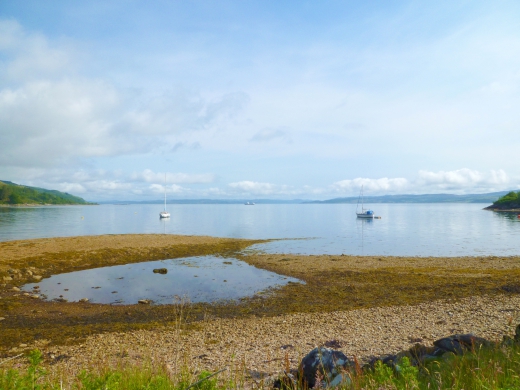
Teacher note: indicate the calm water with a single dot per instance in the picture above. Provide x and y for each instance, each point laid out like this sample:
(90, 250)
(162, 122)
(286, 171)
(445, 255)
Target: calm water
(403, 230)
(201, 279)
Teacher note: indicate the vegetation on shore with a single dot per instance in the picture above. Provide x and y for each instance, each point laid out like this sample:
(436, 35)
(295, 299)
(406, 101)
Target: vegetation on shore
(16, 194)
(485, 368)
(510, 201)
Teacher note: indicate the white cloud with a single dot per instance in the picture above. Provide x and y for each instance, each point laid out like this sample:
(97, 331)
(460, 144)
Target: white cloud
(384, 185)
(159, 189)
(462, 180)
(260, 189)
(457, 181)
(50, 116)
(32, 55)
(157, 177)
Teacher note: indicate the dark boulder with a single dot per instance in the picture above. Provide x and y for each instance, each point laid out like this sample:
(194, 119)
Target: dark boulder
(459, 343)
(324, 363)
(160, 271)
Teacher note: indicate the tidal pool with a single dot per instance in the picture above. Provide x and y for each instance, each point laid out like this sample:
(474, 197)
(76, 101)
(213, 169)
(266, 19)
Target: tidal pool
(198, 279)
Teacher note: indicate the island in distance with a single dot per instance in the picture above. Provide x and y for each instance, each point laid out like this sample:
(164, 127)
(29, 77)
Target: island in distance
(12, 194)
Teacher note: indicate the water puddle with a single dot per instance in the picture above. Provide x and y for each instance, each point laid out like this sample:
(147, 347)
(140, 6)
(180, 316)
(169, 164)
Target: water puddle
(200, 279)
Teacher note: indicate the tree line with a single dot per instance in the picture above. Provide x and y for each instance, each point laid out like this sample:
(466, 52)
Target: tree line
(13, 194)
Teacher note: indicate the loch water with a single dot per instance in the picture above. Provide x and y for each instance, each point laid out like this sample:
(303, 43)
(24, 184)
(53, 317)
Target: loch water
(451, 229)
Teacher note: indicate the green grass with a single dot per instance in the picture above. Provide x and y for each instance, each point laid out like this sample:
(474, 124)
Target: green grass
(496, 368)
(35, 377)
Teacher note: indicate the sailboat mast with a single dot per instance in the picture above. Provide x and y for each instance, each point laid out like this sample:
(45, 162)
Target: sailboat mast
(362, 199)
(165, 192)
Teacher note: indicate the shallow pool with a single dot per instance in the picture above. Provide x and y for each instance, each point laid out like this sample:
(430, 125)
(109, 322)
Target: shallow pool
(198, 279)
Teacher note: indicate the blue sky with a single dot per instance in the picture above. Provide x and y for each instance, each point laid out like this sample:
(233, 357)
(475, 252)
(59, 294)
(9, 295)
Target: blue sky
(260, 99)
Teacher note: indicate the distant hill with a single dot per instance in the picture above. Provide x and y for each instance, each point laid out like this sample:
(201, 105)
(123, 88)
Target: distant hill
(428, 198)
(16, 194)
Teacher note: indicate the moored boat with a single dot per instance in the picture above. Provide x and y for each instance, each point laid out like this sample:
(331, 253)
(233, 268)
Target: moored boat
(164, 213)
(365, 213)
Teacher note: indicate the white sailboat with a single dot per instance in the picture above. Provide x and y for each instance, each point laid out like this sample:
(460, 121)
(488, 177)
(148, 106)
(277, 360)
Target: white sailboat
(164, 213)
(365, 213)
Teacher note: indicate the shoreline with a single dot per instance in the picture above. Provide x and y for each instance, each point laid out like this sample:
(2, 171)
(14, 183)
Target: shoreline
(336, 287)
(502, 210)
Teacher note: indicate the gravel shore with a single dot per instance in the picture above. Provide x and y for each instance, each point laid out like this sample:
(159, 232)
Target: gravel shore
(259, 346)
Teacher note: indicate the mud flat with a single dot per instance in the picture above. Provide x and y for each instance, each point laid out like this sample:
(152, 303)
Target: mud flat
(363, 305)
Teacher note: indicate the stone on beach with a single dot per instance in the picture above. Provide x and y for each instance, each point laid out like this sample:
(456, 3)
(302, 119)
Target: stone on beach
(459, 343)
(324, 362)
(160, 271)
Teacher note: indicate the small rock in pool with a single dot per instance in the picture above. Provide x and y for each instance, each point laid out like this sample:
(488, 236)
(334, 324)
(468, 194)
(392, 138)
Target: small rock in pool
(83, 300)
(160, 271)
(144, 301)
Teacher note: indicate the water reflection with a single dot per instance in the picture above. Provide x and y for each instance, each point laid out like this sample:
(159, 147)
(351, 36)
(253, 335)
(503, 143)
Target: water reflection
(508, 215)
(201, 279)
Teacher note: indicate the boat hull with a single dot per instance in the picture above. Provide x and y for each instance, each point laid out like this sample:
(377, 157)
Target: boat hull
(164, 215)
(365, 216)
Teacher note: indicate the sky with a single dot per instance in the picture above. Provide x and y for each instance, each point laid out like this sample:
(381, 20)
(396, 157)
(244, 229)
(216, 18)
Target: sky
(122, 100)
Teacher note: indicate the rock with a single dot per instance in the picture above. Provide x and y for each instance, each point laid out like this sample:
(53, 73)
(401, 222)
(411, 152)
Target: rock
(37, 277)
(15, 289)
(160, 271)
(22, 346)
(340, 379)
(517, 334)
(35, 296)
(84, 300)
(2, 318)
(7, 278)
(327, 362)
(30, 273)
(144, 301)
(26, 294)
(459, 343)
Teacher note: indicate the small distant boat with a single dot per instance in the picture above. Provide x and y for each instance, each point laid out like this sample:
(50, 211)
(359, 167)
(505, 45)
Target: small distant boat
(249, 203)
(365, 213)
(164, 214)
